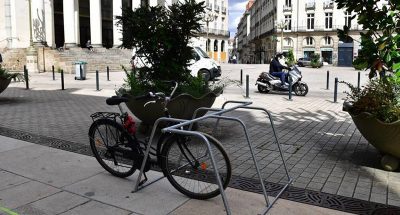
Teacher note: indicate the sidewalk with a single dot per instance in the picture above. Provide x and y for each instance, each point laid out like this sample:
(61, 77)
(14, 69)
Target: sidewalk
(35, 179)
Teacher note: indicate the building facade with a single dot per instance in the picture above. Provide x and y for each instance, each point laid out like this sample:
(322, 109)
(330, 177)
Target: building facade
(71, 23)
(305, 26)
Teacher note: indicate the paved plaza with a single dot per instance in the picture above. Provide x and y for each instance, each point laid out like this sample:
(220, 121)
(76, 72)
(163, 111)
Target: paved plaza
(323, 149)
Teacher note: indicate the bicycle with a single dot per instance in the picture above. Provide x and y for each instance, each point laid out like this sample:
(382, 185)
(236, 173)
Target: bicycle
(184, 160)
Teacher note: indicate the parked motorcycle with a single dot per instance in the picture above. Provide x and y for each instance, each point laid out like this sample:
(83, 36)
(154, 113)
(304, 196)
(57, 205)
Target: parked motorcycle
(266, 82)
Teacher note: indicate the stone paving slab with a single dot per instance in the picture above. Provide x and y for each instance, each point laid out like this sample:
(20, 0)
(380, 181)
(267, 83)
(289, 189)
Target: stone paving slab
(242, 202)
(11, 143)
(159, 198)
(33, 162)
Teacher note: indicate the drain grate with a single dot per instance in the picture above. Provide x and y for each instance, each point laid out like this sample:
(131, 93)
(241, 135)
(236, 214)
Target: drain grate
(316, 198)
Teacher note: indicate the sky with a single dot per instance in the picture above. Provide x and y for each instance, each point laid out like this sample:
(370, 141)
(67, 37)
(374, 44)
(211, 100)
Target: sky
(236, 9)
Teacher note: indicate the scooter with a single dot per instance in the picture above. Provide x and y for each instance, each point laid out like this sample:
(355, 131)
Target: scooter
(266, 82)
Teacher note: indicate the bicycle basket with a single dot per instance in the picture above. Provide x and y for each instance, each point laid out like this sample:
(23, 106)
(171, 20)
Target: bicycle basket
(109, 115)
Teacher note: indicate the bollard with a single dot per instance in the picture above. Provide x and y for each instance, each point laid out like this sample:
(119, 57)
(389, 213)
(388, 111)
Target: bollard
(327, 80)
(62, 79)
(358, 83)
(54, 76)
(80, 72)
(97, 81)
(335, 90)
(26, 77)
(108, 73)
(247, 86)
(290, 89)
(241, 77)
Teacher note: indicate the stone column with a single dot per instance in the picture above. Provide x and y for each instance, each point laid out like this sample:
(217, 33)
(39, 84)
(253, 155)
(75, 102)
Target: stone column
(49, 22)
(95, 23)
(38, 23)
(77, 25)
(117, 33)
(69, 23)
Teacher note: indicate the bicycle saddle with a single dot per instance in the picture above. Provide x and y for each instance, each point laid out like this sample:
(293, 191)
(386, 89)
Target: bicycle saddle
(116, 100)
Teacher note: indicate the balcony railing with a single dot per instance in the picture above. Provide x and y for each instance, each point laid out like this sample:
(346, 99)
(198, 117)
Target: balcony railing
(328, 5)
(322, 28)
(310, 6)
(214, 31)
(287, 8)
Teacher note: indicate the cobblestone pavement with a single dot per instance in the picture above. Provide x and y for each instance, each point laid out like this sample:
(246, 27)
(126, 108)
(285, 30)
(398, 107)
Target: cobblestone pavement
(323, 149)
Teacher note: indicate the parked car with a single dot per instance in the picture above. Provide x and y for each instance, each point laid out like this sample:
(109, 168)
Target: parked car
(201, 65)
(307, 62)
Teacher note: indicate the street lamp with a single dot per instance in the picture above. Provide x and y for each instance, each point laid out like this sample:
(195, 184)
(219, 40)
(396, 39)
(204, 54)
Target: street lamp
(208, 17)
(281, 25)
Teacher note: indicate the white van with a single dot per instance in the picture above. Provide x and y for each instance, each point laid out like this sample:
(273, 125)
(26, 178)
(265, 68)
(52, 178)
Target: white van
(201, 65)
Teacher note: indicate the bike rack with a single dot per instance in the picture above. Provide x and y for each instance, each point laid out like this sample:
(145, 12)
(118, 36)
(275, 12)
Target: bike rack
(217, 115)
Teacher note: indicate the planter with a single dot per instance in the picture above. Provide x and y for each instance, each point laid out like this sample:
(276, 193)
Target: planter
(385, 137)
(181, 106)
(4, 82)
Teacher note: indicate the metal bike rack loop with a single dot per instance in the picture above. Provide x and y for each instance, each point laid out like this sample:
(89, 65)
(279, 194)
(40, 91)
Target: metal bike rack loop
(177, 128)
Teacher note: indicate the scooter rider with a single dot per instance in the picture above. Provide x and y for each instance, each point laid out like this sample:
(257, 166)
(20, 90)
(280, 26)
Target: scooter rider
(275, 68)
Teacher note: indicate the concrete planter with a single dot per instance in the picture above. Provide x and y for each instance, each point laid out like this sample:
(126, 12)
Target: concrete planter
(181, 106)
(385, 137)
(4, 82)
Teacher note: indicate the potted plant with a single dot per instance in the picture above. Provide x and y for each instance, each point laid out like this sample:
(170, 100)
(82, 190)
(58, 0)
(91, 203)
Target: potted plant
(375, 108)
(5, 78)
(160, 36)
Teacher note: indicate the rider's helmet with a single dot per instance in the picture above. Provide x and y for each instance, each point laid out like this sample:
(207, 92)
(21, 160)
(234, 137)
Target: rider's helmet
(279, 55)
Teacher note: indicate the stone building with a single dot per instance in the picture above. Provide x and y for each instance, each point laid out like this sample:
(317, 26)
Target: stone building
(71, 23)
(306, 26)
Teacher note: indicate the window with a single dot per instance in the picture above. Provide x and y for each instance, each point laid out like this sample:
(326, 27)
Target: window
(310, 21)
(309, 41)
(222, 23)
(288, 3)
(288, 20)
(215, 22)
(328, 41)
(288, 42)
(328, 20)
(347, 19)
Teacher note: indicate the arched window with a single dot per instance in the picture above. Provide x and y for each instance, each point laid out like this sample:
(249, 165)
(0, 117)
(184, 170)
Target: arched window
(216, 45)
(327, 41)
(309, 41)
(288, 42)
(222, 45)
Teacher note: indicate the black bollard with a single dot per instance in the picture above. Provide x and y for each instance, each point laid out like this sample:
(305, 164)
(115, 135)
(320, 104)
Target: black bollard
(290, 89)
(26, 77)
(247, 86)
(335, 90)
(108, 73)
(80, 72)
(327, 80)
(62, 79)
(358, 82)
(241, 77)
(97, 81)
(54, 76)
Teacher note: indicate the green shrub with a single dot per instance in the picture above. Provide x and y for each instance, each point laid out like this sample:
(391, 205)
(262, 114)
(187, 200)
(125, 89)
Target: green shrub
(290, 58)
(7, 75)
(315, 60)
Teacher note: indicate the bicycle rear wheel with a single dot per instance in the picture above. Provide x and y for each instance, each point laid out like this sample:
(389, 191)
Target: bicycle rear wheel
(186, 162)
(110, 145)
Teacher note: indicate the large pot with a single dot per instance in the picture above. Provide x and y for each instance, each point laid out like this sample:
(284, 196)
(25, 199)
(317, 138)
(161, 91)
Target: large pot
(385, 137)
(181, 106)
(4, 82)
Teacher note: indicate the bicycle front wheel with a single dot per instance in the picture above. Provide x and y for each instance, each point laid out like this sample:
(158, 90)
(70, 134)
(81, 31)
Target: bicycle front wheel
(110, 145)
(186, 162)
